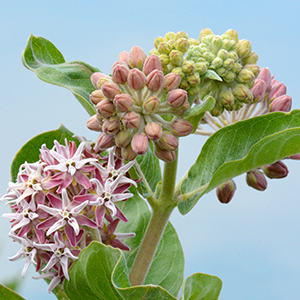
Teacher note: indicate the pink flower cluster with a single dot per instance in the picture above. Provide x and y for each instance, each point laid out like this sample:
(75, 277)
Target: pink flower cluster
(63, 202)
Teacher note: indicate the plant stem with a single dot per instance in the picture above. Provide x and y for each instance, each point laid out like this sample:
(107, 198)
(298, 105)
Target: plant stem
(162, 210)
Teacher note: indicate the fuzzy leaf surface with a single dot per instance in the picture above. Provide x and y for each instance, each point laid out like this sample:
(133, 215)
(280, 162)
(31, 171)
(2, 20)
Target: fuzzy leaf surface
(8, 294)
(43, 58)
(239, 148)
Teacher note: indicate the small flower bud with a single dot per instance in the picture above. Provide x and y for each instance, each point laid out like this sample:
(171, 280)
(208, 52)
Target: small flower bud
(123, 102)
(111, 126)
(94, 124)
(172, 81)
(181, 127)
(96, 76)
(204, 32)
(188, 67)
(167, 156)
(177, 98)
(123, 138)
(169, 36)
(182, 45)
(110, 90)
(164, 48)
(131, 120)
(193, 79)
(136, 79)
(118, 152)
(193, 42)
(257, 180)
(258, 90)
(140, 144)
(164, 58)
(123, 57)
(151, 105)
(155, 80)
(181, 34)
(201, 68)
(168, 141)
(96, 97)
(181, 110)
(227, 98)
(225, 191)
(253, 68)
(136, 57)
(242, 93)
(157, 41)
(277, 90)
(276, 170)
(128, 154)
(176, 58)
(119, 72)
(232, 34)
(105, 141)
(265, 75)
(243, 48)
(245, 76)
(178, 71)
(152, 63)
(282, 103)
(153, 131)
(105, 108)
(101, 81)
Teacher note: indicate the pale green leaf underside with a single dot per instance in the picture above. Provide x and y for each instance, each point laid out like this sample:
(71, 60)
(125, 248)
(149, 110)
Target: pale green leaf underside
(239, 148)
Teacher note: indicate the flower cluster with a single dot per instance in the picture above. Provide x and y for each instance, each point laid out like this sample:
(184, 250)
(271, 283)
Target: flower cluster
(138, 104)
(63, 202)
(269, 95)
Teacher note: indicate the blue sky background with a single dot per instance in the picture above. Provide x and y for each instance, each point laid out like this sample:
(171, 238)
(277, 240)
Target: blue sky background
(252, 244)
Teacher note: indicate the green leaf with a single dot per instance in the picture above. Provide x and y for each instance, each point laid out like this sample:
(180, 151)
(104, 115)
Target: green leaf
(201, 287)
(31, 150)
(212, 75)
(43, 58)
(239, 148)
(195, 114)
(7, 294)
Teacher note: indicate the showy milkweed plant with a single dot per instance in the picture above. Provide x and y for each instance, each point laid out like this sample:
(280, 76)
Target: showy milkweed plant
(78, 207)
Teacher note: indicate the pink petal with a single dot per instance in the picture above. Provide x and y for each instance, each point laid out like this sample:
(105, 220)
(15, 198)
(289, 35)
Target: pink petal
(99, 214)
(82, 179)
(85, 221)
(70, 233)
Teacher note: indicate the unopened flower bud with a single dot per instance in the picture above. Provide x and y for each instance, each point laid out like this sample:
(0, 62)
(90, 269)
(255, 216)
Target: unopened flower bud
(123, 102)
(193, 79)
(169, 36)
(128, 154)
(111, 126)
(110, 90)
(105, 108)
(232, 34)
(282, 103)
(181, 34)
(101, 81)
(242, 93)
(184, 85)
(181, 127)
(179, 111)
(243, 48)
(94, 124)
(204, 32)
(176, 58)
(151, 105)
(265, 75)
(227, 98)
(118, 152)
(123, 138)
(217, 63)
(119, 72)
(155, 80)
(136, 57)
(168, 141)
(201, 68)
(95, 77)
(123, 57)
(136, 79)
(96, 97)
(188, 67)
(172, 81)
(245, 76)
(276, 170)
(164, 58)
(257, 180)
(177, 98)
(182, 45)
(152, 63)
(166, 156)
(193, 42)
(258, 90)
(251, 59)
(157, 41)
(164, 48)
(131, 120)
(105, 141)
(153, 131)
(225, 191)
(140, 144)
(178, 71)
(253, 68)
(277, 90)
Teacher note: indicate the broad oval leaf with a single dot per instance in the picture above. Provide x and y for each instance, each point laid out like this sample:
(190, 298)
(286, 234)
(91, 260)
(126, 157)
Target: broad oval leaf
(43, 58)
(239, 148)
(31, 150)
(8, 294)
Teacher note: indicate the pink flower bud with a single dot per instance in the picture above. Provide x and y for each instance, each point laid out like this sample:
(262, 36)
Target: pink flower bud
(168, 141)
(152, 63)
(111, 126)
(128, 154)
(277, 90)
(151, 105)
(172, 81)
(136, 57)
(96, 76)
(225, 191)
(167, 156)
(265, 75)
(105, 141)
(123, 57)
(96, 97)
(153, 131)
(155, 80)
(131, 120)
(258, 90)
(257, 180)
(177, 98)
(140, 144)
(182, 127)
(282, 103)
(276, 170)
(123, 138)
(123, 102)
(110, 90)
(119, 72)
(136, 79)
(94, 124)
(105, 108)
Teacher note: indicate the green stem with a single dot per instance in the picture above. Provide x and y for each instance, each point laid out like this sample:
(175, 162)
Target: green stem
(162, 210)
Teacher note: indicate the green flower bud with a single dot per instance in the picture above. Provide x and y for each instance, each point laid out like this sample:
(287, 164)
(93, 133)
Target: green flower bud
(236, 68)
(233, 55)
(216, 63)
(251, 59)
(193, 79)
(194, 90)
(201, 68)
(182, 45)
(217, 110)
(245, 76)
(123, 138)
(243, 48)
(193, 42)
(242, 93)
(157, 41)
(216, 43)
(176, 58)
(178, 71)
(164, 48)
(154, 52)
(184, 84)
(204, 32)
(181, 34)
(232, 34)
(227, 98)
(229, 76)
(188, 67)
(151, 105)
(128, 154)
(221, 71)
(228, 63)
(164, 58)
(253, 68)
(169, 36)
(223, 54)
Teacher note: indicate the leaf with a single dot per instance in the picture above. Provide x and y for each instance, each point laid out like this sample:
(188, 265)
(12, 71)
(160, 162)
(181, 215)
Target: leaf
(7, 294)
(43, 58)
(31, 150)
(201, 287)
(239, 148)
(212, 75)
(195, 114)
